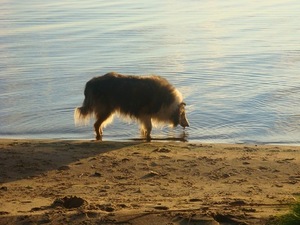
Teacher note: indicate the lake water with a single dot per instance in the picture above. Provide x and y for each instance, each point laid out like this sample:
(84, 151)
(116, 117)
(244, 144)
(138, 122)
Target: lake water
(237, 64)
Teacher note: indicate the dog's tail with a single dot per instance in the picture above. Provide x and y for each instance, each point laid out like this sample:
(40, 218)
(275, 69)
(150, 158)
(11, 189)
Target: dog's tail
(83, 114)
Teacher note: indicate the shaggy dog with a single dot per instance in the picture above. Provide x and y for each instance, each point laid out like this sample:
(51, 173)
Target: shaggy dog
(146, 99)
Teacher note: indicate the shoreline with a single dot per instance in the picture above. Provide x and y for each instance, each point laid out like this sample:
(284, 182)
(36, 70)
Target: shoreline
(156, 139)
(70, 181)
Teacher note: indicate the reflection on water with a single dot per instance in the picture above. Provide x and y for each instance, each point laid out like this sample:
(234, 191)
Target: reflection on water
(182, 137)
(237, 65)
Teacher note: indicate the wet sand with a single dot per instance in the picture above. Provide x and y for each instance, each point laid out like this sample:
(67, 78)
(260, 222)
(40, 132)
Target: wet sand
(88, 182)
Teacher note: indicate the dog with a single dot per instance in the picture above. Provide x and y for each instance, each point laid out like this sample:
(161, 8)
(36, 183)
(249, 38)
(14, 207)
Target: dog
(147, 99)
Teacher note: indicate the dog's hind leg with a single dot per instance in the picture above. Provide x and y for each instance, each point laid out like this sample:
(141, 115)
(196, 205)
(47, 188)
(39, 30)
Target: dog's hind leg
(98, 124)
(146, 127)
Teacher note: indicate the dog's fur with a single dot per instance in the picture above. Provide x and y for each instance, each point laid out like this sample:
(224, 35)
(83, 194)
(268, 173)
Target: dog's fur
(147, 99)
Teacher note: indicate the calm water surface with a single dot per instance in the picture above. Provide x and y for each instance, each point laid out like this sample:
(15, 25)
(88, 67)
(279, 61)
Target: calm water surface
(237, 64)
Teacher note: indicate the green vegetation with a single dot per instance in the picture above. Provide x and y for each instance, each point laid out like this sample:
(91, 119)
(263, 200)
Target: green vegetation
(291, 218)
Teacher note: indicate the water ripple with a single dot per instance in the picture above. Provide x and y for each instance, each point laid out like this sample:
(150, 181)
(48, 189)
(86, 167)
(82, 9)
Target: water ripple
(237, 65)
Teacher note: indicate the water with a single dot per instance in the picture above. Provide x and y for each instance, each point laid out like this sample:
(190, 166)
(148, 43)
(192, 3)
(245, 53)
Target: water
(236, 63)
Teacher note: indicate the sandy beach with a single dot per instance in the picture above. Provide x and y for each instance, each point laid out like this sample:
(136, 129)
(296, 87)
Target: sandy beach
(89, 182)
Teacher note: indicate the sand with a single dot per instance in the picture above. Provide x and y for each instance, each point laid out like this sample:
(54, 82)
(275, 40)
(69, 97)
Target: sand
(89, 182)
